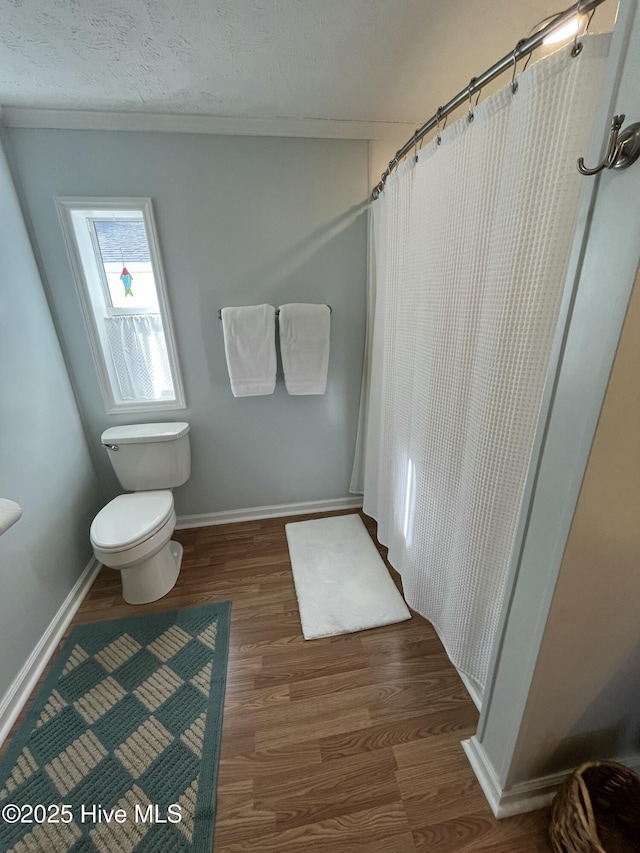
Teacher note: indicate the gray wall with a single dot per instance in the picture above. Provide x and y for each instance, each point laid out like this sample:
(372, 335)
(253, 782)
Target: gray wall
(241, 220)
(44, 461)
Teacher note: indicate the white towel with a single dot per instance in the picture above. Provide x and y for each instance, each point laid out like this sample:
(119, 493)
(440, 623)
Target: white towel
(304, 346)
(10, 512)
(250, 345)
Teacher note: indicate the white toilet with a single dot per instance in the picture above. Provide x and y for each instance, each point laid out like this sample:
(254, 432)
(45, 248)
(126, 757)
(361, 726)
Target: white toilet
(133, 531)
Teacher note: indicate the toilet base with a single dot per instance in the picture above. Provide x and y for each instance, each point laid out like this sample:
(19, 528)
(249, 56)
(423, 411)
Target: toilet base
(153, 578)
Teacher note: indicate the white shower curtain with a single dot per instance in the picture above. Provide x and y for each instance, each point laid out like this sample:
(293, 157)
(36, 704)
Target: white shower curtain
(471, 250)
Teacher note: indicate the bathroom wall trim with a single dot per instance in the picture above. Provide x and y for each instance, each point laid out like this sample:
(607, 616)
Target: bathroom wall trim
(527, 796)
(16, 697)
(472, 689)
(222, 125)
(277, 511)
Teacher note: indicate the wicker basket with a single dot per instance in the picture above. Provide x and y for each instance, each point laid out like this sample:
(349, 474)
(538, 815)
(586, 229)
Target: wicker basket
(597, 810)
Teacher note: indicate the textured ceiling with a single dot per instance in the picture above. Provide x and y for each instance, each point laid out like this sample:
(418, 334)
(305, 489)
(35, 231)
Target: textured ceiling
(368, 60)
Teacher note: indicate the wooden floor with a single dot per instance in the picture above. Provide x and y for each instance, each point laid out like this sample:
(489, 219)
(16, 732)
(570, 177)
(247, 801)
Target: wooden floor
(335, 745)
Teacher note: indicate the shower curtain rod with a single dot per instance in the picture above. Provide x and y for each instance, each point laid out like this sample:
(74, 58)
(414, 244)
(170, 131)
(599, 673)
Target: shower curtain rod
(523, 48)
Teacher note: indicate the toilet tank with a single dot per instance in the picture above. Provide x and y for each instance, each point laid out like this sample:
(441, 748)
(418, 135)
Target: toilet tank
(149, 456)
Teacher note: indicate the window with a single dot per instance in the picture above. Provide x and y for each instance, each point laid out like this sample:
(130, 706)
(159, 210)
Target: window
(114, 255)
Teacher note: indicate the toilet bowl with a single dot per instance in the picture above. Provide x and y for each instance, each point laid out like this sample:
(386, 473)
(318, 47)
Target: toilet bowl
(132, 534)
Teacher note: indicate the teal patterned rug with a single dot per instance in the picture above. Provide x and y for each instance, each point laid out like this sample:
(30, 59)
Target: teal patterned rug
(120, 749)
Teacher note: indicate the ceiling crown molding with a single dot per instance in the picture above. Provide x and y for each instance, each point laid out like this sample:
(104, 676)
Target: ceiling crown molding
(222, 125)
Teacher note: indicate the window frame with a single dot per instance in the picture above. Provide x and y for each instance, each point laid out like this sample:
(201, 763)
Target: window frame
(66, 207)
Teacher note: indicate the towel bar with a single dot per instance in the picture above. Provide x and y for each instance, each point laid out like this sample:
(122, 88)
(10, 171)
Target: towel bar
(277, 311)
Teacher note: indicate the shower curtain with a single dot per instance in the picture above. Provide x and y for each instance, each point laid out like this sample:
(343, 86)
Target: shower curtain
(471, 249)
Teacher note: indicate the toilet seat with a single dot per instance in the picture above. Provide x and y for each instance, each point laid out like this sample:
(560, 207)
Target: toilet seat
(129, 520)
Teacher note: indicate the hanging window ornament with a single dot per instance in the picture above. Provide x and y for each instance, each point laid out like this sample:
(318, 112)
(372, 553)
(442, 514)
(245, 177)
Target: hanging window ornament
(126, 278)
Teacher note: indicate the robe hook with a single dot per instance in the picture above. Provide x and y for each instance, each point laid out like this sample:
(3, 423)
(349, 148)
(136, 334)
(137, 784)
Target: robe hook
(623, 148)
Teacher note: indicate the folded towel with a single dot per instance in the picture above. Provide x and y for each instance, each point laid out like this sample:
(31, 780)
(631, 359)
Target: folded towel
(10, 512)
(304, 346)
(250, 345)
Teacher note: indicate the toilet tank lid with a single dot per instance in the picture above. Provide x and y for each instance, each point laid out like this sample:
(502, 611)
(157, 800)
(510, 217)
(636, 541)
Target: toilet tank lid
(142, 433)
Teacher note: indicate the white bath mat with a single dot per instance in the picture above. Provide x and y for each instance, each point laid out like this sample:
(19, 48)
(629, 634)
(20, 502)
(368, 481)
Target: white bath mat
(341, 581)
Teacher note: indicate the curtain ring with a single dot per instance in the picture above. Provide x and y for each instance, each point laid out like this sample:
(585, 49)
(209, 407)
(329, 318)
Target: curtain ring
(578, 45)
(586, 29)
(446, 118)
(514, 82)
(470, 115)
(415, 145)
(576, 50)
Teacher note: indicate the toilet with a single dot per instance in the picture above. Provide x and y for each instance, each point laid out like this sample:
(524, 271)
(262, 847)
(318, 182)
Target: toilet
(132, 533)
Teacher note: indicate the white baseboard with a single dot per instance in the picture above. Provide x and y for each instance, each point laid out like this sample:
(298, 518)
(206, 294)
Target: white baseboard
(484, 772)
(632, 763)
(525, 796)
(472, 689)
(277, 511)
(19, 691)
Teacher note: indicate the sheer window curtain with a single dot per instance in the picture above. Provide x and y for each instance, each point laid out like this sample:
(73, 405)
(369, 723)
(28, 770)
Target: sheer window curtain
(140, 359)
(471, 246)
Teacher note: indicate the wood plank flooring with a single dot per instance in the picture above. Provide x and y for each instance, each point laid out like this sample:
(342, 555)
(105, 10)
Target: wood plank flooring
(336, 745)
